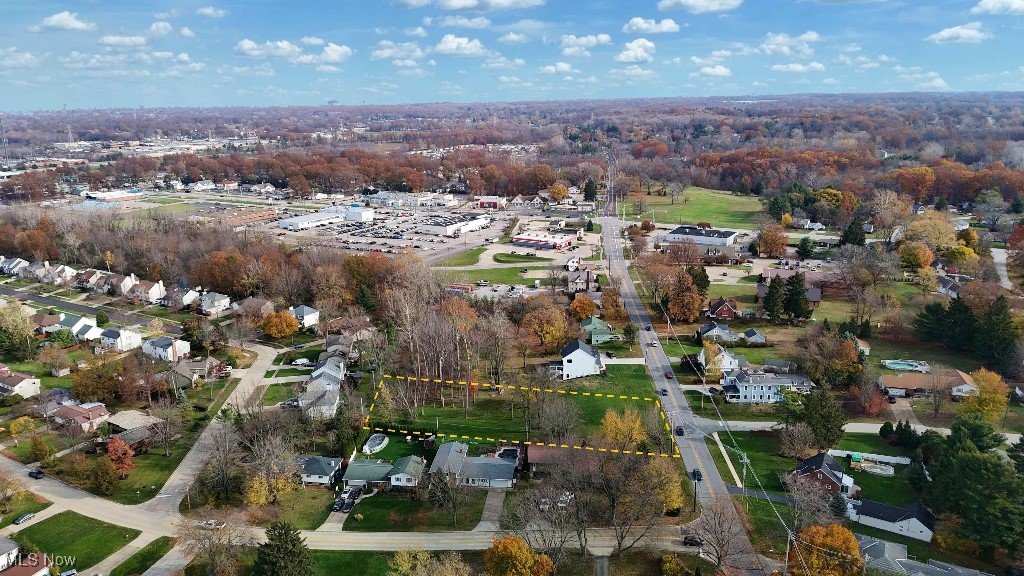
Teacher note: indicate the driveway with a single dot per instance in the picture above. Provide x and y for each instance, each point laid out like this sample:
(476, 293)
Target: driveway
(999, 259)
(902, 410)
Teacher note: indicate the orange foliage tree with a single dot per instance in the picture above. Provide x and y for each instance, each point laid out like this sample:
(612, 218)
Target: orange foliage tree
(511, 556)
(280, 324)
(121, 454)
(826, 551)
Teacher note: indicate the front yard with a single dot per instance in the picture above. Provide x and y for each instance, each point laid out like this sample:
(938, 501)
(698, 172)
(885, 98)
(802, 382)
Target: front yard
(83, 540)
(304, 508)
(145, 558)
(383, 512)
(277, 393)
(23, 504)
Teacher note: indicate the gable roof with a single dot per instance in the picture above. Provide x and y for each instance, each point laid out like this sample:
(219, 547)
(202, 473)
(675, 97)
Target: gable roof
(715, 305)
(450, 458)
(367, 470)
(711, 326)
(303, 310)
(489, 468)
(320, 466)
(129, 419)
(409, 465)
(894, 514)
(594, 323)
(825, 463)
(751, 333)
(579, 345)
(912, 380)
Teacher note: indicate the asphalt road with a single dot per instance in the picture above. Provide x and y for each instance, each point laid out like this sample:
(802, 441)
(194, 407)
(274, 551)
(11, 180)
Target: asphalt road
(692, 447)
(116, 315)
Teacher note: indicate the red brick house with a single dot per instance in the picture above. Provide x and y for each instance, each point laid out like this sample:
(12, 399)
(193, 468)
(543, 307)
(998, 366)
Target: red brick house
(723, 309)
(824, 471)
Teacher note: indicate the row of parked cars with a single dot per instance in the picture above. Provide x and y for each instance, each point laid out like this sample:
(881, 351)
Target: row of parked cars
(346, 500)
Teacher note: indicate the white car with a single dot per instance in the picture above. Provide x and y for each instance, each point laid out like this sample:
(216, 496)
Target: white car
(654, 344)
(301, 362)
(483, 283)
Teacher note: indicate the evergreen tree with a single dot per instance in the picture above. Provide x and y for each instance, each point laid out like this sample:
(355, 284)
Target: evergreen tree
(758, 188)
(1016, 454)
(775, 300)
(1017, 206)
(590, 191)
(805, 249)
(886, 430)
(795, 301)
(930, 323)
(959, 328)
(283, 554)
(826, 326)
(994, 346)
(864, 331)
(778, 206)
(838, 506)
(590, 226)
(700, 280)
(824, 416)
(854, 233)
(365, 299)
(941, 204)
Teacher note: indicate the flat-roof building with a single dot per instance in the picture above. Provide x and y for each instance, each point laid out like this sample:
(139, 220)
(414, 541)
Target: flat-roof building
(702, 236)
(540, 240)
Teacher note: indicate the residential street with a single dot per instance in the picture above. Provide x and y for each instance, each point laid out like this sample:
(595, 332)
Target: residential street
(999, 258)
(82, 309)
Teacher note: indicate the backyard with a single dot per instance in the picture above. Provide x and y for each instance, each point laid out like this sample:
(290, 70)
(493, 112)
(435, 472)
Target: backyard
(83, 540)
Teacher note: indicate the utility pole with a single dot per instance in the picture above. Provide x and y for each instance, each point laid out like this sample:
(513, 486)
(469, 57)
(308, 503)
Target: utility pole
(4, 150)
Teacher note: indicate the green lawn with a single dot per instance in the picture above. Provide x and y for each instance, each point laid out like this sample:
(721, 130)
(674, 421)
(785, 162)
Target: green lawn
(704, 406)
(335, 562)
(467, 258)
(632, 379)
(886, 350)
(277, 393)
(392, 513)
(23, 504)
(870, 444)
(282, 372)
(85, 540)
(894, 490)
(304, 508)
(146, 557)
(397, 448)
(499, 275)
(311, 353)
(719, 460)
(54, 440)
(163, 201)
(721, 209)
(766, 532)
(505, 258)
(762, 450)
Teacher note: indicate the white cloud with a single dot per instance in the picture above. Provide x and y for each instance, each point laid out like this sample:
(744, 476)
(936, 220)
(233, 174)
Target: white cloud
(312, 41)
(472, 4)
(971, 33)
(1015, 7)
(503, 62)
(633, 71)
(799, 68)
(331, 53)
(163, 55)
(700, 6)
(123, 41)
(717, 71)
(558, 68)
(785, 45)
(263, 70)
(453, 45)
(573, 45)
(922, 80)
(406, 63)
(638, 25)
(460, 21)
(187, 32)
(14, 58)
(418, 31)
(830, 82)
(183, 57)
(63, 21)
(934, 84)
(328, 68)
(335, 53)
(639, 50)
(212, 12)
(160, 28)
(514, 38)
(388, 50)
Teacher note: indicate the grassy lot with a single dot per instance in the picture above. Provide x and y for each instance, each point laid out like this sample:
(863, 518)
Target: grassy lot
(52, 439)
(642, 562)
(632, 379)
(142, 560)
(392, 513)
(282, 372)
(886, 350)
(762, 450)
(167, 315)
(467, 258)
(894, 490)
(870, 444)
(311, 353)
(719, 460)
(721, 209)
(397, 448)
(766, 532)
(499, 275)
(70, 534)
(1014, 416)
(25, 502)
(621, 349)
(505, 258)
(163, 201)
(335, 562)
(304, 508)
(276, 393)
(737, 412)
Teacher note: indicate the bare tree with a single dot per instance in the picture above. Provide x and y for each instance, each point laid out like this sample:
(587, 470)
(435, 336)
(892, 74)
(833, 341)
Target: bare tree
(494, 344)
(796, 440)
(559, 418)
(171, 421)
(445, 492)
(216, 540)
(721, 529)
(542, 518)
(941, 385)
(633, 502)
(810, 502)
(11, 487)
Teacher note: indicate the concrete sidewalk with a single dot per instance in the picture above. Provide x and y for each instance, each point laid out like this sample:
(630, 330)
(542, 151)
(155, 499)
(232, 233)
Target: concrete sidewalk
(115, 559)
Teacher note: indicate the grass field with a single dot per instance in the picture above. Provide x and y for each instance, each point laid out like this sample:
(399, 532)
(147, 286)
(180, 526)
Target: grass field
(25, 502)
(276, 393)
(306, 509)
(741, 412)
(766, 532)
(721, 209)
(142, 560)
(86, 540)
(392, 513)
(282, 372)
(504, 258)
(870, 444)
(467, 258)
(498, 275)
(54, 440)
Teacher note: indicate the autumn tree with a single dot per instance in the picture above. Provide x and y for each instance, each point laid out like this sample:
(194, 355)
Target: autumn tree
(796, 440)
(103, 477)
(39, 450)
(915, 255)
(423, 563)
(664, 475)
(829, 550)
(583, 306)
(510, 556)
(21, 426)
(934, 229)
(280, 324)
(772, 241)
(684, 302)
(623, 430)
(53, 359)
(217, 552)
(547, 327)
(16, 331)
(120, 455)
(992, 398)
(558, 192)
(11, 488)
(712, 361)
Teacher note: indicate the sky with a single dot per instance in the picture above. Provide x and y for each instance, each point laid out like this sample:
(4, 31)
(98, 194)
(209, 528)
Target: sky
(154, 53)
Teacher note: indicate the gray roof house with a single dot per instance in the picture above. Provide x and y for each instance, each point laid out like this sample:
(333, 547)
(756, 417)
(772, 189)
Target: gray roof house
(478, 471)
(306, 315)
(320, 400)
(716, 332)
(365, 472)
(407, 471)
(319, 470)
(912, 520)
(891, 558)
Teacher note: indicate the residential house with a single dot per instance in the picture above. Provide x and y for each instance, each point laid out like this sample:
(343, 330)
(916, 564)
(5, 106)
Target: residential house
(83, 328)
(882, 556)
(306, 315)
(119, 285)
(12, 382)
(1018, 390)
(579, 359)
(201, 186)
(146, 291)
(748, 387)
(13, 563)
(166, 348)
(598, 331)
(59, 275)
(722, 309)
(214, 303)
(807, 224)
(776, 366)
(913, 520)
(138, 439)
(229, 185)
(813, 294)
(318, 470)
(320, 400)
(120, 339)
(53, 399)
(13, 266)
(46, 323)
(8, 553)
(825, 472)
(87, 280)
(910, 384)
(716, 332)
(35, 271)
(863, 347)
(961, 391)
(752, 336)
(948, 286)
(252, 307)
(453, 460)
(86, 417)
(583, 280)
(132, 419)
(727, 361)
(407, 472)
(367, 472)
(330, 370)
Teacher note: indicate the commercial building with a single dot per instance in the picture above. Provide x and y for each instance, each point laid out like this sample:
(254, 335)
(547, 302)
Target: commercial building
(327, 217)
(702, 236)
(491, 202)
(539, 240)
(452, 225)
(113, 195)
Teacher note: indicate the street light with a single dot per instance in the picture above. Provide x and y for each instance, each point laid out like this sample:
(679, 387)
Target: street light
(696, 488)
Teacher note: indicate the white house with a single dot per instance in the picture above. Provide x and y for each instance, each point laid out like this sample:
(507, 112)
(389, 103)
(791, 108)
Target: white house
(166, 348)
(76, 324)
(964, 390)
(716, 332)
(12, 382)
(579, 359)
(35, 271)
(319, 470)
(214, 303)
(118, 284)
(13, 266)
(202, 186)
(727, 361)
(306, 315)
(120, 339)
(407, 472)
(8, 553)
(320, 400)
(59, 275)
(913, 520)
(747, 387)
(147, 291)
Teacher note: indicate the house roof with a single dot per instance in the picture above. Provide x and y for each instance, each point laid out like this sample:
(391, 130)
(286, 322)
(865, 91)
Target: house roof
(134, 435)
(367, 470)
(579, 345)
(82, 413)
(751, 333)
(910, 381)
(44, 320)
(129, 419)
(450, 458)
(825, 463)
(881, 554)
(489, 468)
(7, 545)
(894, 514)
(715, 305)
(112, 333)
(593, 323)
(30, 565)
(320, 466)
(711, 326)
(409, 465)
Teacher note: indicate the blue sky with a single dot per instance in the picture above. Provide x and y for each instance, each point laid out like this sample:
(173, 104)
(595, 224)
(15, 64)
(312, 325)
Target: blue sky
(113, 53)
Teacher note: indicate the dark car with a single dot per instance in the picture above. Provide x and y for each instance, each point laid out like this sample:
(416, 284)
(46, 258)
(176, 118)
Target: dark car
(697, 475)
(347, 506)
(610, 354)
(664, 391)
(680, 431)
(337, 505)
(648, 328)
(357, 493)
(692, 540)
(669, 374)
(37, 474)
(892, 399)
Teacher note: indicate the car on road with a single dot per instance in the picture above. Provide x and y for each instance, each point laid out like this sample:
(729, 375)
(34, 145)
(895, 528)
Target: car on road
(664, 391)
(697, 475)
(654, 344)
(24, 518)
(347, 506)
(648, 328)
(337, 505)
(680, 431)
(692, 540)
(670, 374)
(36, 473)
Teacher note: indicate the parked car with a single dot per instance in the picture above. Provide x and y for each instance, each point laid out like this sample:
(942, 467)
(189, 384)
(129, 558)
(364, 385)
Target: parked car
(648, 328)
(337, 505)
(36, 473)
(483, 283)
(211, 524)
(892, 399)
(24, 518)
(692, 540)
(697, 475)
(545, 505)
(347, 506)
(300, 362)
(610, 354)
(345, 494)
(357, 493)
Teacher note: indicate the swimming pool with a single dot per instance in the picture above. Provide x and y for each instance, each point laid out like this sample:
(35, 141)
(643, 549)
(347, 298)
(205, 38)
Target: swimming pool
(907, 365)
